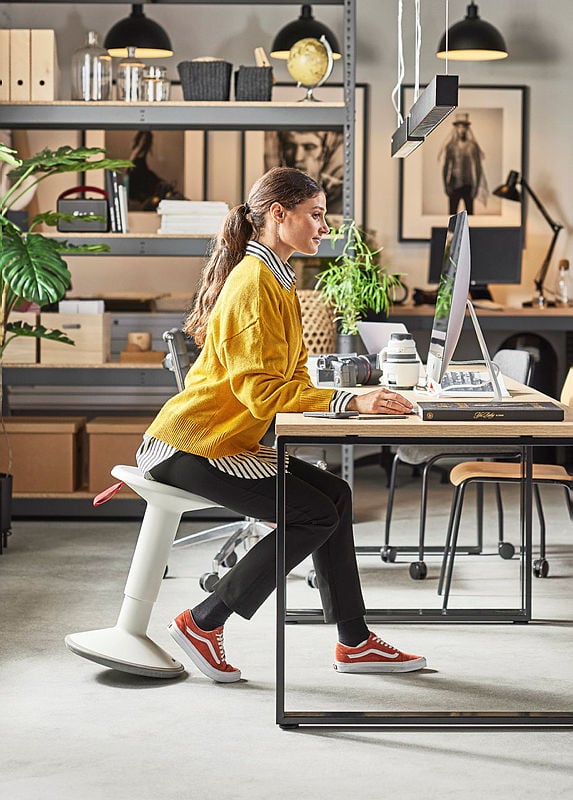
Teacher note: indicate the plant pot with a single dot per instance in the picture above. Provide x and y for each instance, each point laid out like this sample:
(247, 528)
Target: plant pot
(350, 343)
(5, 508)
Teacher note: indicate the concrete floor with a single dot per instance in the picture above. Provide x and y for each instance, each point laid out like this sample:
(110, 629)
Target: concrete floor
(70, 728)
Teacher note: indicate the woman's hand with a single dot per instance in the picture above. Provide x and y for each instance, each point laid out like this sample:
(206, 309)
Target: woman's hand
(380, 401)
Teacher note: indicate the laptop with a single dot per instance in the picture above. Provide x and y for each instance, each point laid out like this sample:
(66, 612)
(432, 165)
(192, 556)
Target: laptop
(376, 335)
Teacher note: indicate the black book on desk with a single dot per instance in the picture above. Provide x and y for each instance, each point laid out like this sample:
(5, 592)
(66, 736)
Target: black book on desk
(491, 412)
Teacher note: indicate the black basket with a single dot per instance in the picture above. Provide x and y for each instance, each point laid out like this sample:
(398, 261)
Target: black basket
(205, 80)
(254, 83)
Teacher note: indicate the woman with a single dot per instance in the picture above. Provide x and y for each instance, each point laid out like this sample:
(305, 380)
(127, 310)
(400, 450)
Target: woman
(206, 438)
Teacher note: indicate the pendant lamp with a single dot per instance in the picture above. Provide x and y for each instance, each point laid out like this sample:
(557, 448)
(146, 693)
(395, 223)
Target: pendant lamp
(305, 27)
(149, 39)
(472, 39)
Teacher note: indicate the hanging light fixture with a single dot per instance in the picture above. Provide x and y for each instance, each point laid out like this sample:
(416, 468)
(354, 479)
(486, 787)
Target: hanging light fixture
(305, 27)
(472, 39)
(147, 37)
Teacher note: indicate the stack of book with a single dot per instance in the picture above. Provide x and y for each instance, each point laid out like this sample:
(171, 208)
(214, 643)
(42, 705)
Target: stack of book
(117, 201)
(191, 216)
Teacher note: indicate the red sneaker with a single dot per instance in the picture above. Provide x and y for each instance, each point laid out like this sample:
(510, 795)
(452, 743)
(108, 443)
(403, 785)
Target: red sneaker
(204, 648)
(375, 655)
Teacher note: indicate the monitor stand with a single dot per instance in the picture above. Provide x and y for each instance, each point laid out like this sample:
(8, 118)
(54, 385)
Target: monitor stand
(485, 352)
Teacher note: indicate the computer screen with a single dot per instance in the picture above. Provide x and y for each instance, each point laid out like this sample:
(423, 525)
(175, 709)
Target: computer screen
(451, 298)
(496, 257)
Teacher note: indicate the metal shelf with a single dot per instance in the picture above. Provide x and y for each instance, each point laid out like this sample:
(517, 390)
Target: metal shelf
(135, 244)
(181, 115)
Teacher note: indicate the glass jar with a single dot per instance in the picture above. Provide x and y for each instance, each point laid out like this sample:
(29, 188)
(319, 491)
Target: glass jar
(156, 86)
(130, 78)
(91, 71)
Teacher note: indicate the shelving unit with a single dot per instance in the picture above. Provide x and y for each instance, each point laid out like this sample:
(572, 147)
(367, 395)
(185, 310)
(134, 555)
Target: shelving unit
(178, 115)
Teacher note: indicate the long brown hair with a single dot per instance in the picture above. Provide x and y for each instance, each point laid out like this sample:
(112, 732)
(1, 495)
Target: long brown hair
(285, 185)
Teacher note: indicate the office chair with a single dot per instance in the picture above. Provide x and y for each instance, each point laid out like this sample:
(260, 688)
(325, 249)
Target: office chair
(178, 361)
(516, 364)
(479, 472)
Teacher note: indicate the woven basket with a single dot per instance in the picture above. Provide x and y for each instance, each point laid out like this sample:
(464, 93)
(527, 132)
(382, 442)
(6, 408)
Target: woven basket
(318, 325)
(254, 83)
(205, 80)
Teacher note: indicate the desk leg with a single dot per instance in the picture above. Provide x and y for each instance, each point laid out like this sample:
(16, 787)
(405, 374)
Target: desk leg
(281, 583)
(527, 531)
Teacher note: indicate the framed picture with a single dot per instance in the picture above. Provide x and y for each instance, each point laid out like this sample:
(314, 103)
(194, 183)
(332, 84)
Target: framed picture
(461, 163)
(318, 152)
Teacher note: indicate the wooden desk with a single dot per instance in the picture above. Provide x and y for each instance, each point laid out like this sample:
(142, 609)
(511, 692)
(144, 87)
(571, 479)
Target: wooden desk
(295, 428)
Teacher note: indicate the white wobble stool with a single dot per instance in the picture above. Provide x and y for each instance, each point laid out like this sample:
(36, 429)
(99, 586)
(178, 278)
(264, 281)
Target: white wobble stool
(126, 646)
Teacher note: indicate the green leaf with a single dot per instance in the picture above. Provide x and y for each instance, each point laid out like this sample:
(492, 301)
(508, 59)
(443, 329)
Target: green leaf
(68, 159)
(8, 155)
(33, 269)
(37, 332)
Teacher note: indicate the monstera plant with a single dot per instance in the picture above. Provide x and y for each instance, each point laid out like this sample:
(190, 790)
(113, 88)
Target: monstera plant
(32, 269)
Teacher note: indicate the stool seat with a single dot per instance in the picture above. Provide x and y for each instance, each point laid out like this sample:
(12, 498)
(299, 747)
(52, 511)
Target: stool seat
(495, 471)
(126, 646)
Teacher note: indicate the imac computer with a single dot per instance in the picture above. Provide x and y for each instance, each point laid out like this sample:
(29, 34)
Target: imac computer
(451, 298)
(451, 303)
(496, 257)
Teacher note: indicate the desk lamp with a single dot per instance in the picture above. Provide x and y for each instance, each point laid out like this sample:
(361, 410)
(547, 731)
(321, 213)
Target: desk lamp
(509, 191)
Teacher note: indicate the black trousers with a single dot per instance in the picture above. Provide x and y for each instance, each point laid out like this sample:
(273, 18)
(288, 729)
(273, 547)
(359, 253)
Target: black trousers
(318, 522)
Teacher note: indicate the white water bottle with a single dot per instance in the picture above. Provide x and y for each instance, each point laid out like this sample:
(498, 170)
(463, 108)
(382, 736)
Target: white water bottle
(563, 292)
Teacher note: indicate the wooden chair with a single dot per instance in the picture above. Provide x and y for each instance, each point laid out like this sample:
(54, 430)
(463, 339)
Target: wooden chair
(479, 472)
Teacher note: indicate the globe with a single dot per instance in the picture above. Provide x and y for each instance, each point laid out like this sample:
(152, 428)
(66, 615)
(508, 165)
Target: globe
(310, 63)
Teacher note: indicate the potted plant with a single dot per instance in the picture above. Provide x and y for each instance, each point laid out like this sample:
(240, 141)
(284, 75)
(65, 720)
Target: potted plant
(32, 270)
(355, 284)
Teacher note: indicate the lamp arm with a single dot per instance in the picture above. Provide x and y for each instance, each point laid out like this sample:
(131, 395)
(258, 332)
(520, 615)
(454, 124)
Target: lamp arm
(539, 279)
(551, 222)
(556, 227)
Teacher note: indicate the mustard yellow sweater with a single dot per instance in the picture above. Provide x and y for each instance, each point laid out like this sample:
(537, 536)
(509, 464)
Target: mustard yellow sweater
(253, 365)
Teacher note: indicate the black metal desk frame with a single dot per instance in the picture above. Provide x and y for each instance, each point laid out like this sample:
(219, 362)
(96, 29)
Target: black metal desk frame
(431, 720)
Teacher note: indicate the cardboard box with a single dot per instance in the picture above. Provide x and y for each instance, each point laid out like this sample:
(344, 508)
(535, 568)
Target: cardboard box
(91, 334)
(46, 453)
(22, 349)
(111, 441)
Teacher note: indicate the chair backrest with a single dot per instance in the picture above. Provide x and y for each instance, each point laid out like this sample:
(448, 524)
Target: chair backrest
(515, 364)
(178, 359)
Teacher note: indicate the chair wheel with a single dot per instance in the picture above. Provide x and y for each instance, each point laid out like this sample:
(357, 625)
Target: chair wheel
(506, 550)
(311, 579)
(388, 554)
(418, 570)
(541, 568)
(208, 581)
(166, 571)
(231, 560)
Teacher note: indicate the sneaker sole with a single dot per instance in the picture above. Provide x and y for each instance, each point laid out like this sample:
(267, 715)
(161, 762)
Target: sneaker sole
(379, 666)
(200, 662)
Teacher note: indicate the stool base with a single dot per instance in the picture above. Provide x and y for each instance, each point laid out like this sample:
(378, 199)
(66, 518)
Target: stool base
(118, 649)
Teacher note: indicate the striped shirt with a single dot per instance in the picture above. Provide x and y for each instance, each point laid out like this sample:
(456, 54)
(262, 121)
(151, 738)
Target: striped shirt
(263, 463)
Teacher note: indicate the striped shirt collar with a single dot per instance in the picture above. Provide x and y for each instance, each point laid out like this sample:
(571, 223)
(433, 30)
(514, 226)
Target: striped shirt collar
(282, 271)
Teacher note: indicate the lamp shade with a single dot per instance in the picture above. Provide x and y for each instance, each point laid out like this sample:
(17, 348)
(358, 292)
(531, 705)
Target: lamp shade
(305, 27)
(147, 37)
(509, 190)
(472, 39)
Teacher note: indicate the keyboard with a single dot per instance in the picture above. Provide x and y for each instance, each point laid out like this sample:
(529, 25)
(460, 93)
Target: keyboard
(469, 383)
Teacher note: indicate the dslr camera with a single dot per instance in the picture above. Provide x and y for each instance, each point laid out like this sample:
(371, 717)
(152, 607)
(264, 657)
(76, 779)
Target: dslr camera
(348, 369)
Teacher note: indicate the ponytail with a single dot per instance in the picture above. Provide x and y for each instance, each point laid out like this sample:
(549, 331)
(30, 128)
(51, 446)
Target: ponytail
(228, 249)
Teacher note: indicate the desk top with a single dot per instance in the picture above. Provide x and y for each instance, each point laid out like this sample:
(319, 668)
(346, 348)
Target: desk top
(414, 427)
